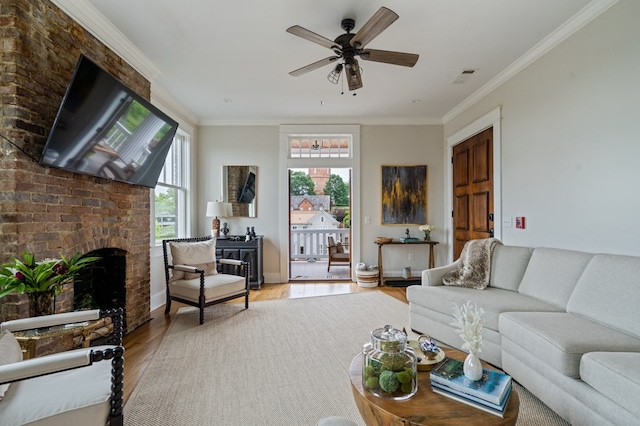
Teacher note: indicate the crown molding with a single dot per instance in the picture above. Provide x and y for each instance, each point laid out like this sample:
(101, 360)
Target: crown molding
(371, 121)
(573, 24)
(161, 98)
(95, 23)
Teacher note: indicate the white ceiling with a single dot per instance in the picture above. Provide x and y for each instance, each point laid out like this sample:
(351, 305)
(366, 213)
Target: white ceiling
(228, 61)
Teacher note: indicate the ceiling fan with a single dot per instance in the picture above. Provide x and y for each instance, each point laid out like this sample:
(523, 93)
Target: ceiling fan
(348, 46)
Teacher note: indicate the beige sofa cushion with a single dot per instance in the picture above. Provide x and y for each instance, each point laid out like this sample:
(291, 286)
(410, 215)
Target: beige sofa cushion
(615, 375)
(508, 265)
(561, 339)
(552, 274)
(494, 301)
(201, 255)
(609, 292)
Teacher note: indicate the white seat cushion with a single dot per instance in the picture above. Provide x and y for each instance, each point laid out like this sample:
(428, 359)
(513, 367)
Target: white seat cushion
(560, 339)
(215, 287)
(75, 397)
(615, 375)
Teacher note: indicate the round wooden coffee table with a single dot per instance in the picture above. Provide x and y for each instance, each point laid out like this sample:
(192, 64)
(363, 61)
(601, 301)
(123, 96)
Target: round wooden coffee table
(425, 407)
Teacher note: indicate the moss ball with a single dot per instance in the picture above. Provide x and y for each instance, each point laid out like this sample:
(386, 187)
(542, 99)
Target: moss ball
(403, 377)
(406, 387)
(372, 383)
(388, 381)
(369, 371)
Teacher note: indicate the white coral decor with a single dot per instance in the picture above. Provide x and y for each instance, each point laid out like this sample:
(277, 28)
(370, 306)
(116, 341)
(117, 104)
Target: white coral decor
(469, 325)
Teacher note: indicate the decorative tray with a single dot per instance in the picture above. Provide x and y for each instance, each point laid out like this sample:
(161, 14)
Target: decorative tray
(425, 364)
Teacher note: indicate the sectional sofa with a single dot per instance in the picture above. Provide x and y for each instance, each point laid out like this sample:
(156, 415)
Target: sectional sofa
(564, 324)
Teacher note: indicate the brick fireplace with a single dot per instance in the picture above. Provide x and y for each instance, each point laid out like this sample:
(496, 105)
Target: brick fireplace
(47, 211)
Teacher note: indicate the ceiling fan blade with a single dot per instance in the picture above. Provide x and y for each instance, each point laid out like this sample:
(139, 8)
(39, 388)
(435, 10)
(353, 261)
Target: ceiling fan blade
(314, 66)
(354, 77)
(389, 57)
(374, 26)
(311, 36)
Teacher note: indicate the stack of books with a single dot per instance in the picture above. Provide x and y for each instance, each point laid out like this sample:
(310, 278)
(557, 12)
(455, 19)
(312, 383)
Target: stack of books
(409, 240)
(491, 393)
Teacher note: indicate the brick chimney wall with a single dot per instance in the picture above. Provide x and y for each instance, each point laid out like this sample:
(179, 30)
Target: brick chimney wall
(48, 211)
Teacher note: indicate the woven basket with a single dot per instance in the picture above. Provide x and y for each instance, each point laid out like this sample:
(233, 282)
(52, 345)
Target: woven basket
(384, 240)
(367, 278)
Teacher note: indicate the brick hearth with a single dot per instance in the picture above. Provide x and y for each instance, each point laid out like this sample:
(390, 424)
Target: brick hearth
(49, 211)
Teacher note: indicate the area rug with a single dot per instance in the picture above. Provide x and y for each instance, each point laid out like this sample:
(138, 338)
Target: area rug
(281, 362)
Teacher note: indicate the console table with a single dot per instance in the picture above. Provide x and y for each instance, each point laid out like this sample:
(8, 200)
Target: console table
(396, 242)
(236, 248)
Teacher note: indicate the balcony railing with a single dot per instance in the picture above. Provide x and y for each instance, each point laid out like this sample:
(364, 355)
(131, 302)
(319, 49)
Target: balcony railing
(312, 243)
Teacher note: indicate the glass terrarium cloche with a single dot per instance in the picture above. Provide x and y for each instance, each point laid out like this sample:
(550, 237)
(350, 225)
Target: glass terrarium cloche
(389, 368)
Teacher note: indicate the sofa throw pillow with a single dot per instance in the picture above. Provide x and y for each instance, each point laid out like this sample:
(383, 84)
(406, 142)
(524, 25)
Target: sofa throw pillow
(474, 268)
(10, 352)
(201, 255)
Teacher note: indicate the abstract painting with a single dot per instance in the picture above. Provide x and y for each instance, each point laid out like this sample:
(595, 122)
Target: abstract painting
(404, 195)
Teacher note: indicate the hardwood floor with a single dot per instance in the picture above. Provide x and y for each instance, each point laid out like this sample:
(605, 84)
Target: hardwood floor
(142, 343)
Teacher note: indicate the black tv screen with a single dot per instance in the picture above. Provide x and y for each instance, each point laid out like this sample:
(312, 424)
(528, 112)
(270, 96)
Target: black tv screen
(105, 129)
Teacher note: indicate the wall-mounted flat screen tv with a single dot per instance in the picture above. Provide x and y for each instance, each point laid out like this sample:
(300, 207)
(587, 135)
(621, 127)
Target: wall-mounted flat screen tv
(105, 129)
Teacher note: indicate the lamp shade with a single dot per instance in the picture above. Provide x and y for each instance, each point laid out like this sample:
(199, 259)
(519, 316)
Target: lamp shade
(216, 209)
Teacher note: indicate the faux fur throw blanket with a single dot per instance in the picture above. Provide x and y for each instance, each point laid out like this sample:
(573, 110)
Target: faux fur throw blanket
(474, 268)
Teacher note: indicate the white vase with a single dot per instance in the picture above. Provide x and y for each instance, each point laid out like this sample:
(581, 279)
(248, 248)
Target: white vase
(472, 367)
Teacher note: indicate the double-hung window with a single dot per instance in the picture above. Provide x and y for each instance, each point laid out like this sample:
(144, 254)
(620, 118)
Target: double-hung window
(171, 192)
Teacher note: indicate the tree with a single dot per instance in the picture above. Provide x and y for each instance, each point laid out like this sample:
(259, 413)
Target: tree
(301, 183)
(338, 190)
(166, 202)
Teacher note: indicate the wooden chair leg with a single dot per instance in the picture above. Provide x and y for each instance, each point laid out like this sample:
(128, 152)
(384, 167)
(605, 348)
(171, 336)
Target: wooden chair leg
(201, 309)
(167, 306)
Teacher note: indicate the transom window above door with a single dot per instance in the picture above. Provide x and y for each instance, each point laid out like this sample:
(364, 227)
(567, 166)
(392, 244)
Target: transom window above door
(320, 147)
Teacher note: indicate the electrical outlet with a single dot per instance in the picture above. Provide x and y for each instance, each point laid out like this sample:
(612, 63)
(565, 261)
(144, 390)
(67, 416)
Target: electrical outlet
(410, 256)
(367, 219)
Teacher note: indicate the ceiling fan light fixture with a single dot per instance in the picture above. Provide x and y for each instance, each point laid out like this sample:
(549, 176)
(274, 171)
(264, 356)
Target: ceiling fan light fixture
(334, 75)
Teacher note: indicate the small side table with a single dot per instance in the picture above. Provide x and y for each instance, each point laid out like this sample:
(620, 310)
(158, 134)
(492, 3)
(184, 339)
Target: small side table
(431, 244)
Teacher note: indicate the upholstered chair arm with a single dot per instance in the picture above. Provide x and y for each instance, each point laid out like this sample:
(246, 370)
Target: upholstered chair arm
(433, 277)
(187, 268)
(44, 365)
(241, 268)
(50, 320)
(70, 318)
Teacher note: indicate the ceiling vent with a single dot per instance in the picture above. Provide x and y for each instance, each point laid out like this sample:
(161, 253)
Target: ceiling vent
(464, 76)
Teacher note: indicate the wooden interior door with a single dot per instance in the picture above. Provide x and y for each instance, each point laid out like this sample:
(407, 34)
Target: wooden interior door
(472, 190)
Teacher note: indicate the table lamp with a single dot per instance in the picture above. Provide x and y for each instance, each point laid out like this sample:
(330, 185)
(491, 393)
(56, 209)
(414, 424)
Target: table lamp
(216, 209)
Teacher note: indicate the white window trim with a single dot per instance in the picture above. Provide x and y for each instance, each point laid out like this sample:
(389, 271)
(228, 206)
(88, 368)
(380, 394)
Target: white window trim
(183, 213)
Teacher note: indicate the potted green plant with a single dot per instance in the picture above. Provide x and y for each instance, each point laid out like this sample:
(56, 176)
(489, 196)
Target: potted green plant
(40, 280)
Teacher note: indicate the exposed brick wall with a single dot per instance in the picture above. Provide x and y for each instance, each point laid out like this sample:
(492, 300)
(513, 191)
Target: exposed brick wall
(50, 211)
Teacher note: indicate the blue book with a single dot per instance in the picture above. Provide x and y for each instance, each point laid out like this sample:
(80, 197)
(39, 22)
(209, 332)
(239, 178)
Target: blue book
(409, 240)
(492, 387)
(469, 402)
(498, 407)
